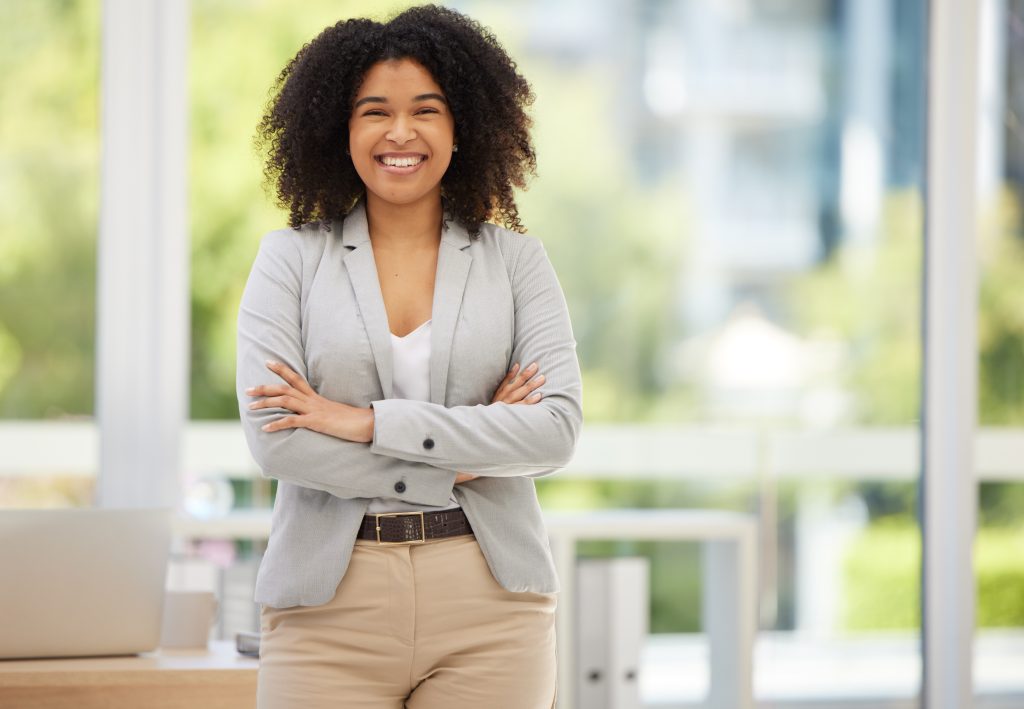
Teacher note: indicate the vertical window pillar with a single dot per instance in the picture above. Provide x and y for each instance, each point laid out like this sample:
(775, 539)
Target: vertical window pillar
(143, 304)
(948, 485)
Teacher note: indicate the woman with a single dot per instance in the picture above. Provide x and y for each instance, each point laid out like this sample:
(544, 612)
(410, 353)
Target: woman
(379, 343)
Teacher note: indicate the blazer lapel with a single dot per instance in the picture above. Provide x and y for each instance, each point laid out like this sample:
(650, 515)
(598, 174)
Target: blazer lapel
(362, 272)
(453, 260)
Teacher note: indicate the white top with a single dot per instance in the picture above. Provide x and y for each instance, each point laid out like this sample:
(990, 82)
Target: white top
(411, 380)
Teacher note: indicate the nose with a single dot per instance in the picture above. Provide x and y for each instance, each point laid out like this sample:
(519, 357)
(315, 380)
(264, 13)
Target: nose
(401, 131)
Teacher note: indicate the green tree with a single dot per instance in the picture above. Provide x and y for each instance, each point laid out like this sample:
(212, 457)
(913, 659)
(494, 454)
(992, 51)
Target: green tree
(49, 168)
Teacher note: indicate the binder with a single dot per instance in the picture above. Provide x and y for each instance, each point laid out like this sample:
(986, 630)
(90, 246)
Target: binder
(613, 609)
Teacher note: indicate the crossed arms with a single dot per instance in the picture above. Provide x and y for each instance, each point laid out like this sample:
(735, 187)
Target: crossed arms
(498, 440)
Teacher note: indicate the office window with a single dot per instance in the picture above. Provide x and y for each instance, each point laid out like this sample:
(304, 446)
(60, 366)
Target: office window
(747, 172)
(49, 180)
(999, 548)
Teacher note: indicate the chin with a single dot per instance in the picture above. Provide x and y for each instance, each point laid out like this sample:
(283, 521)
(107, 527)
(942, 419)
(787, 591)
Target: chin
(403, 198)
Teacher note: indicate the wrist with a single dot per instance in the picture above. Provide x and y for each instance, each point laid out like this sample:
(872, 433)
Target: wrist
(347, 422)
(367, 421)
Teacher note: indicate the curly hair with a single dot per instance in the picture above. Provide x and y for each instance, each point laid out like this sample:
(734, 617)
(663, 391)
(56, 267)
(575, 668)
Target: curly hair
(305, 125)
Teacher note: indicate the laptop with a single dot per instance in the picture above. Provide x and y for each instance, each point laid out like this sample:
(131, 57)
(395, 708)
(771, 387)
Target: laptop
(82, 582)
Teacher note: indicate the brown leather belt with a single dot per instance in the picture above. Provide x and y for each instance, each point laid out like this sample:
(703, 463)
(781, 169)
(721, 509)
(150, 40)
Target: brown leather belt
(414, 527)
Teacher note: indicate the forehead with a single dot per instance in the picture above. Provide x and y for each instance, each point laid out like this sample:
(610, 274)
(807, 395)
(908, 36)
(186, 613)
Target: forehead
(396, 79)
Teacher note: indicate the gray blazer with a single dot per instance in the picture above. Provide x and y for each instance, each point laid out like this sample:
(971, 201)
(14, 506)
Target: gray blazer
(313, 301)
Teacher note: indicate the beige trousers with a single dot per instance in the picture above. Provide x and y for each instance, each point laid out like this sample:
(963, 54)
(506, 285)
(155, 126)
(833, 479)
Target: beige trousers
(423, 626)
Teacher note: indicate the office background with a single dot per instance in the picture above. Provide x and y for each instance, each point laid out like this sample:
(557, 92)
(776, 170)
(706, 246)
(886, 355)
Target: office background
(755, 170)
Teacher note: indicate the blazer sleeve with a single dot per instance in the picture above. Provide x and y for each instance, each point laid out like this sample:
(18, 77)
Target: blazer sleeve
(502, 440)
(269, 327)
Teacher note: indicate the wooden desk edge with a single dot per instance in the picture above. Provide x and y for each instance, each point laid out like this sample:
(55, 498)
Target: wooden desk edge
(219, 664)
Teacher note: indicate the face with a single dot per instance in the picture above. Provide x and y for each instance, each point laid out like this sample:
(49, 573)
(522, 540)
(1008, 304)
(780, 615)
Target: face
(401, 133)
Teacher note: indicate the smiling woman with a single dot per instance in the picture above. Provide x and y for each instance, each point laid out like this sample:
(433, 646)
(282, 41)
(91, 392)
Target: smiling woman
(484, 98)
(401, 134)
(379, 380)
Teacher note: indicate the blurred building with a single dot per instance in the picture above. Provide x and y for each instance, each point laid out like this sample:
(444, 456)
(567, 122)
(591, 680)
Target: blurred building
(786, 122)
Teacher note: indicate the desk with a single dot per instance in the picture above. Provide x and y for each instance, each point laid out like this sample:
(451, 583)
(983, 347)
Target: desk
(729, 599)
(219, 678)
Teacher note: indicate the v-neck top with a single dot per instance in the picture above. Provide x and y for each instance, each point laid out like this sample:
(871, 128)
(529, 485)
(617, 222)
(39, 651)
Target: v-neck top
(411, 364)
(410, 380)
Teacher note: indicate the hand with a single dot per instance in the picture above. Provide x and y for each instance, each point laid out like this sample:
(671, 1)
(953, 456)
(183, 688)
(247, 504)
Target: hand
(513, 390)
(311, 410)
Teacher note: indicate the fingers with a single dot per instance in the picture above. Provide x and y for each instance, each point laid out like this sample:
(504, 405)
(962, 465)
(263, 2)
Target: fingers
(276, 396)
(524, 375)
(290, 376)
(515, 378)
(283, 423)
(508, 377)
(287, 396)
(282, 402)
(505, 383)
(269, 390)
(523, 394)
(517, 385)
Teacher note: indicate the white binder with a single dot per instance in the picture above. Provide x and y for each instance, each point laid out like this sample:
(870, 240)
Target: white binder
(612, 606)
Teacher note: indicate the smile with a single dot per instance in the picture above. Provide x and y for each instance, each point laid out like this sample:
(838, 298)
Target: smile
(400, 161)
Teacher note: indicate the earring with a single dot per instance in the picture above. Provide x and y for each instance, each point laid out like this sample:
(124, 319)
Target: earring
(347, 151)
(455, 148)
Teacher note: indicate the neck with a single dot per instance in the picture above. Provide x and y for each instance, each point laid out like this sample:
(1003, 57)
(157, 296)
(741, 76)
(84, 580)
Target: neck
(404, 226)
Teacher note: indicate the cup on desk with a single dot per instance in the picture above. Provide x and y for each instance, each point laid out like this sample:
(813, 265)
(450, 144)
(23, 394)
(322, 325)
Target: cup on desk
(188, 618)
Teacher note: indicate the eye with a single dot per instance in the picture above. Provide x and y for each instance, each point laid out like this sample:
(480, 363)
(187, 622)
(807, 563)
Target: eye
(427, 110)
(374, 112)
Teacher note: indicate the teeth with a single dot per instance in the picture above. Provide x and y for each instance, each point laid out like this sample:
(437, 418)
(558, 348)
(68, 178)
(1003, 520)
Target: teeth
(401, 162)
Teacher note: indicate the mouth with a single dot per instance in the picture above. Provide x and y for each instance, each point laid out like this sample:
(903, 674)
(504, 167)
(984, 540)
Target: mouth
(400, 163)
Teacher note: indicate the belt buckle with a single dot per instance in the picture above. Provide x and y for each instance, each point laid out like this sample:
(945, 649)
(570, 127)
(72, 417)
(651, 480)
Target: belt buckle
(423, 527)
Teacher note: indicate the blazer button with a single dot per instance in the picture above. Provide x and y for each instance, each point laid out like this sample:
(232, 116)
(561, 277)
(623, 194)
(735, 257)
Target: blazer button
(399, 486)
(428, 443)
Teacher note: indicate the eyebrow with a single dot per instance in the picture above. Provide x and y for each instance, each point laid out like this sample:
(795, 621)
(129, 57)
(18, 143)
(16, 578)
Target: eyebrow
(381, 99)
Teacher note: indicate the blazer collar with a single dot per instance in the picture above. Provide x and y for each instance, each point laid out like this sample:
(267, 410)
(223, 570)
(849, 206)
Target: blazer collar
(453, 262)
